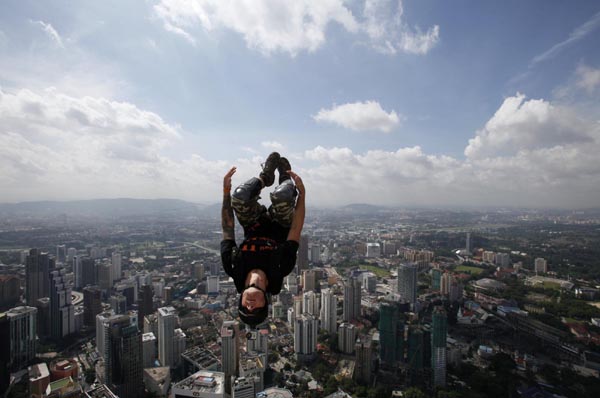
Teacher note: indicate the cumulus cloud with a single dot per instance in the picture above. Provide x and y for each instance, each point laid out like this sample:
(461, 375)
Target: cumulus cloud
(50, 32)
(527, 124)
(588, 78)
(293, 26)
(272, 145)
(360, 116)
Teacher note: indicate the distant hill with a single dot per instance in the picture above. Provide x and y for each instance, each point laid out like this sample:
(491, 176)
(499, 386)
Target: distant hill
(105, 208)
(363, 208)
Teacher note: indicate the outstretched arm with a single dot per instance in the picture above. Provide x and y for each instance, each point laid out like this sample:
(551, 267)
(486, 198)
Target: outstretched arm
(227, 222)
(299, 211)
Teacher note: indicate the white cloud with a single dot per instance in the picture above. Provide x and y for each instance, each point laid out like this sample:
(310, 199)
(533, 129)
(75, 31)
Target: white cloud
(293, 26)
(390, 34)
(527, 124)
(50, 32)
(588, 78)
(272, 145)
(360, 116)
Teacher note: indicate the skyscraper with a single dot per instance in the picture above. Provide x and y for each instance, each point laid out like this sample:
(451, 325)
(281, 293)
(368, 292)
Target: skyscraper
(62, 312)
(116, 266)
(105, 278)
(166, 332)
(61, 254)
(315, 253)
(310, 303)
(230, 351)
(436, 279)
(21, 324)
(101, 320)
(468, 246)
(88, 271)
(145, 304)
(540, 266)
(305, 336)
(302, 259)
(364, 359)
(77, 272)
(352, 297)
(37, 272)
(415, 354)
(391, 333)
(123, 360)
(259, 344)
(243, 388)
(439, 325)
(309, 280)
(329, 311)
(407, 283)
(92, 305)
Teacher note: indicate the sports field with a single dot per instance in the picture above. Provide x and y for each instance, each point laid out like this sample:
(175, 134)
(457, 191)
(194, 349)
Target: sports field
(469, 270)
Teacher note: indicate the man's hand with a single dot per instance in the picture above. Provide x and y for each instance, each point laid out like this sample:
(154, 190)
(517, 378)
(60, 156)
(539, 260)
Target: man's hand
(298, 182)
(227, 180)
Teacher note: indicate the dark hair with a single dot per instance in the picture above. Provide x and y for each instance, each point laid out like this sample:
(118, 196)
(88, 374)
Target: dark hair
(257, 315)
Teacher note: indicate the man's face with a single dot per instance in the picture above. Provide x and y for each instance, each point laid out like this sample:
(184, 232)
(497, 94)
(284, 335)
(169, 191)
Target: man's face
(253, 298)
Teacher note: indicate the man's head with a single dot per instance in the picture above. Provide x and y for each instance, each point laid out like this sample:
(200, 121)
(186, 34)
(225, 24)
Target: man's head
(253, 307)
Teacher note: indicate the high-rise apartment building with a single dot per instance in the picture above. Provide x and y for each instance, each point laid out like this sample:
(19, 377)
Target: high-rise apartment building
(436, 279)
(503, 260)
(352, 300)
(309, 280)
(346, 338)
(167, 320)
(123, 361)
(305, 336)
(540, 266)
(92, 305)
(407, 283)
(62, 311)
(315, 253)
(329, 311)
(37, 273)
(310, 303)
(364, 359)
(439, 326)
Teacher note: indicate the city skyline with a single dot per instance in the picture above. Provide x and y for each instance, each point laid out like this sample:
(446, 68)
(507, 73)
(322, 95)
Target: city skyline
(389, 103)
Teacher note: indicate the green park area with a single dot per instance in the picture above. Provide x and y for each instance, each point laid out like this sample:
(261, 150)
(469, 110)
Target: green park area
(469, 269)
(550, 285)
(379, 272)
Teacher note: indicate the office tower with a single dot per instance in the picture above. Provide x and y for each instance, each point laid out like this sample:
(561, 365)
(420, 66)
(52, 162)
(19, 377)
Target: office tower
(71, 252)
(178, 346)
(212, 285)
(166, 332)
(369, 282)
(436, 279)
(407, 283)
(62, 312)
(88, 271)
(243, 388)
(123, 361)
(364, 359)
(309, 280)
(43, 317)
(77, 272)
(329, 311)
(105, 279)
(373, 250)
(439, 326)
(291, 283)
(128, 289)
(118, 303)
(310, 303)
(302, 259)
(456, 290)
(352, 297)
(149, 349)
(61, 254)
(305, 336)
(468, 247)
(315, 254)
(389, 247)
(415, 354)
(346, 338)
(503, 260)
(391, 334)
(258, 343)
(252, 367)
(116, 266)
(10, 291)
(230, 351)
(101, 319)
(145, 303)
(92, 305)
(20, 336)
(540, 266)
(37, 272)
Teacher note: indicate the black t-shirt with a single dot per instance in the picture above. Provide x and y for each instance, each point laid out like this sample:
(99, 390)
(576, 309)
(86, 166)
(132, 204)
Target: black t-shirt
(276, 263)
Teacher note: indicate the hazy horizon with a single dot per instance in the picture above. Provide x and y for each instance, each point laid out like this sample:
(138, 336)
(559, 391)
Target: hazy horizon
(396, 103)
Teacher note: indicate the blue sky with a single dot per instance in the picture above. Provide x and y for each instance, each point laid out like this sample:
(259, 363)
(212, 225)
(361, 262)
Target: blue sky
(430, 103)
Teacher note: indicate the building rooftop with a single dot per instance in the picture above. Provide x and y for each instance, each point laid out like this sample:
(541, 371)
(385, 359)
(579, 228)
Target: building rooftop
(166, 311)
(101, 391)
(159, 375)
(201, 357)
(148, 337)
(38, 371)
(275, 392)
(202, 381)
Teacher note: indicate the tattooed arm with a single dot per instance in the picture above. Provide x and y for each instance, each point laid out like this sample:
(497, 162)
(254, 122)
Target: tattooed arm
(227, 222)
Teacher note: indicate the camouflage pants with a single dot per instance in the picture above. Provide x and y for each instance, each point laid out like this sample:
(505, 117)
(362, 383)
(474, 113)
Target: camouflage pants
(248, 211)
